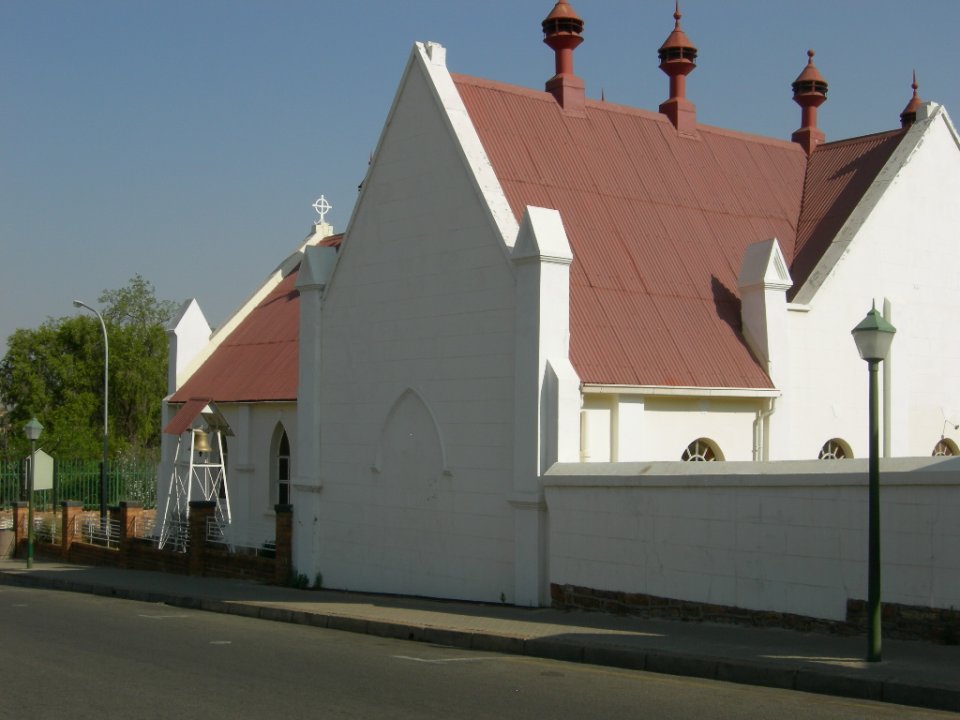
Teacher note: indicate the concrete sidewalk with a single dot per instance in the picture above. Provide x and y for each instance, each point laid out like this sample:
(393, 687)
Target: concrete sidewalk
(912, 673)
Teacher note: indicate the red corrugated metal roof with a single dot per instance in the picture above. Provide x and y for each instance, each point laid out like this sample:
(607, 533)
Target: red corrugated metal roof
(658, 225)
(258, 361)
(186, 415)
(838, 175)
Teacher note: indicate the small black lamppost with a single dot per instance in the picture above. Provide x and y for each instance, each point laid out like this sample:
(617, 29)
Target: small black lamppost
(33, 430)
(873, 337)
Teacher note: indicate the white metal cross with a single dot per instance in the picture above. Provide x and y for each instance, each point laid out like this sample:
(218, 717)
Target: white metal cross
(322, 207)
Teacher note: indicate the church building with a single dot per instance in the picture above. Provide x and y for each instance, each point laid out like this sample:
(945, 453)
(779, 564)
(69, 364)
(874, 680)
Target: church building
(532, 276)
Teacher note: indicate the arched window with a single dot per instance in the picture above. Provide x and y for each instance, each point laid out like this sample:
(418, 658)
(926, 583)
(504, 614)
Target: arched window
(835, 449)
(946, 447)
(280, 467)
(702, 450)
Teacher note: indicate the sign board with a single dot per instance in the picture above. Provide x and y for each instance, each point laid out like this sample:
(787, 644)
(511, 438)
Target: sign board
(43, 479)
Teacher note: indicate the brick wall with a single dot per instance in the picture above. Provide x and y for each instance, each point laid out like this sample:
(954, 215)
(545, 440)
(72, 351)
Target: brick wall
(202, 558)
(903, 622)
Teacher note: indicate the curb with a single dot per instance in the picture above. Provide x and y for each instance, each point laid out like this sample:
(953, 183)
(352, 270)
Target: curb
(743, 672)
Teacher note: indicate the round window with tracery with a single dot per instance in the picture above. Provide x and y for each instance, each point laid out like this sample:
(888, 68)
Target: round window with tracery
(835, 449)
(945, 448)
(702, 450)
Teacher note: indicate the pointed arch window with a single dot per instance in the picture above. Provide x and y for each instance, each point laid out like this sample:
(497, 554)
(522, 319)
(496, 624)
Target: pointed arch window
(280, 467)
(283, 471)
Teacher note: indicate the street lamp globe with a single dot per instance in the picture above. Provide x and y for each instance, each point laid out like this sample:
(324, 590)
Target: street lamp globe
(873, 336)
(33, 430)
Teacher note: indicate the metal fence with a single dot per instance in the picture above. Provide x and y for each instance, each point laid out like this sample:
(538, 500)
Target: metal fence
(132, 480)
(47, 530)
(250, 542)
(93, 531)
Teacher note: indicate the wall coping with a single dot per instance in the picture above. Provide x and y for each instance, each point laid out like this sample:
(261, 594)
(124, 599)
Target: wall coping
(912, 472)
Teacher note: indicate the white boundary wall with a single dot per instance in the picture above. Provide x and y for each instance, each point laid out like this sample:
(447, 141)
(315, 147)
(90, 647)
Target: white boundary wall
(785, 537)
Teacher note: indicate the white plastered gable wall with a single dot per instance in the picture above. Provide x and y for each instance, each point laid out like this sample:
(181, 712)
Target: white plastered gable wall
(415, 404)
(898, 246)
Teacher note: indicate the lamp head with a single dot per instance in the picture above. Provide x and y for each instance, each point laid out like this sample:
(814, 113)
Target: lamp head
(873, 336)
(77, 303)
(33, 429)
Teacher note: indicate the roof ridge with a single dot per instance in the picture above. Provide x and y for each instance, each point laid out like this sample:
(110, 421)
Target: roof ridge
(864, 138)
(614, 107)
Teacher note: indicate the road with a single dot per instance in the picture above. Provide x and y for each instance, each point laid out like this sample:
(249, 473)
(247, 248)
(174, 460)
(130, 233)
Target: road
(82, 656)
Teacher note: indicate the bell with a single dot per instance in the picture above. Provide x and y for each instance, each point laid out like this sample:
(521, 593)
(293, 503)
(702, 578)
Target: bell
(201, 441)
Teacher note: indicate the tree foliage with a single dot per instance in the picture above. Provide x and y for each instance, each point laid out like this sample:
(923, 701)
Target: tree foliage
(55, 373)
(136, 305)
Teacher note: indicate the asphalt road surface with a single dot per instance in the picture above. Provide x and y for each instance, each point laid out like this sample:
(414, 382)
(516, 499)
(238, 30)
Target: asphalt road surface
(68, 655)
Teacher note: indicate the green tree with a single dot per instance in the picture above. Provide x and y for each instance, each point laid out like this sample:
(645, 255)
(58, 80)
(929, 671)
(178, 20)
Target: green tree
(55, 372)
(136, 305)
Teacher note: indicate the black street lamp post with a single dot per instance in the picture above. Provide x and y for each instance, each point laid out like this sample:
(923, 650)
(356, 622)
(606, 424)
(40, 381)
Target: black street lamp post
(873, 337)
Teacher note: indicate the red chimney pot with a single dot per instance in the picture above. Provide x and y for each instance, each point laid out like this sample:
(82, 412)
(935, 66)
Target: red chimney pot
(562, 30)
(678, 59)
(909, 115)
(809, 92)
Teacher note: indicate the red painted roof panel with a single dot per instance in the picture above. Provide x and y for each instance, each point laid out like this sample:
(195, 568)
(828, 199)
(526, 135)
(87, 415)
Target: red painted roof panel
(258, 361)
(839, 174)
(186, 415)
(658, 225)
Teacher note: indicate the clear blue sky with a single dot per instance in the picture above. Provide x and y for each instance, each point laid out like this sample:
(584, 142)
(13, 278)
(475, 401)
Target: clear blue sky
(185, 140)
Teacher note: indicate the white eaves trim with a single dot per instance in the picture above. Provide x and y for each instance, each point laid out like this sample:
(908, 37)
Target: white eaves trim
(703, 392)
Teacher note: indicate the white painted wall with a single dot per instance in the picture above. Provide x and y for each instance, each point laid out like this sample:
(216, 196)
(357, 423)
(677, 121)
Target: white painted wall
(673, 423)
(631, 428)
(187, 336)
(898, 245)
(786, 537)
(417, 388)
(546, 389)
(248, 463)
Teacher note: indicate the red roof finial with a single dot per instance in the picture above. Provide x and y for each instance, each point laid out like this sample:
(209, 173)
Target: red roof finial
(562, 30)
(909, 114)
(677, 54)
(809, 92)
(678, 59)
(810, 80)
